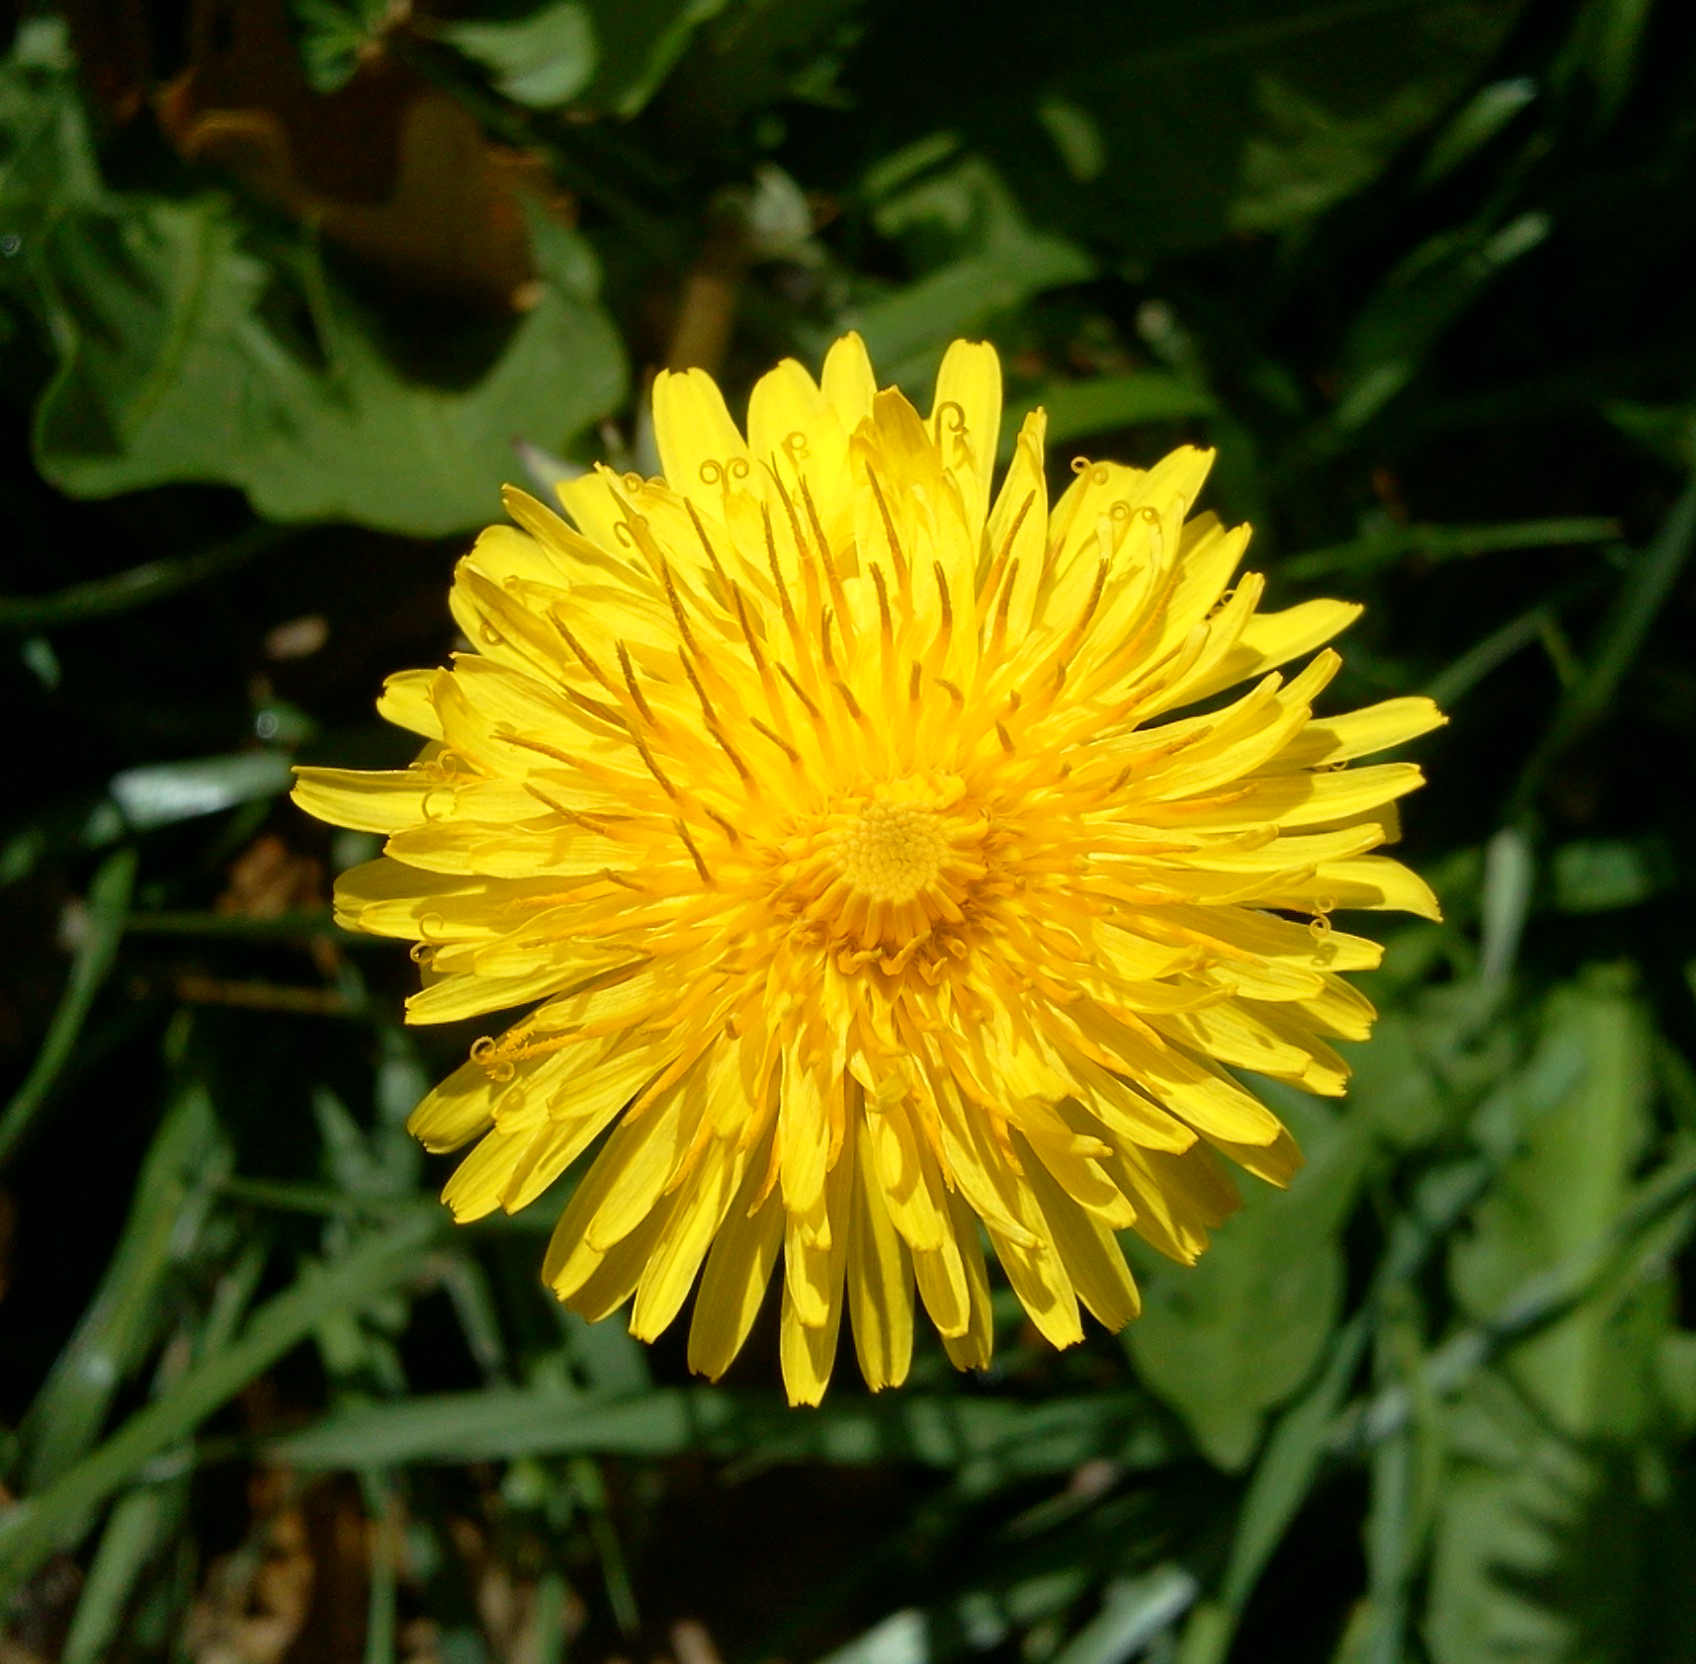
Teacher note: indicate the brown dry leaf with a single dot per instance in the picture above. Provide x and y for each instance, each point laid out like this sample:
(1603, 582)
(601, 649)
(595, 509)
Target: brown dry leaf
(114, 51)
(420, 1642)
(256, 1600)
(692, 1643)
(39, 1612)
(298, 638)
(390, 168)
(268, 880)
(341, 1536)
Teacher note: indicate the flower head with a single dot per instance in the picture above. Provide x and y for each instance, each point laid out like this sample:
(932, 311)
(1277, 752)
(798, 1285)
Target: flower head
(829, 813)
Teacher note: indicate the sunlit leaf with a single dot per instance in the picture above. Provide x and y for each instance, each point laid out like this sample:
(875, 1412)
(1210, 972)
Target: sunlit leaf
(1545, 1529)
(173, 370)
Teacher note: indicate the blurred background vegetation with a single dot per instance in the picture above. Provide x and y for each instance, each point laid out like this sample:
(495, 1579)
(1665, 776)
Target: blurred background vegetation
(289, 287)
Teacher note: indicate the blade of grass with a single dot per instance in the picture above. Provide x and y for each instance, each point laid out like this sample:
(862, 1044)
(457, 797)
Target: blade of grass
(122, 591)
(1308, 1431)
(1132, 1614)
(1436, 544)
(140, 1523)
(237, 927)
(1452, 685)
(1541, 1301)
(591, 1492)
(1282, 1479)
(549, 1619)
(1509, 869)
(937, 1431)
(39, 1525)
(1648, 583)
(1397, 1520)
(384, 1551)
(1104, 404)
(322, 1199)
(108, 905)
(122, 1322)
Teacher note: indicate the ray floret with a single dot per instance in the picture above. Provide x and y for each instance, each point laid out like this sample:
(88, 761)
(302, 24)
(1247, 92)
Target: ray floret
(884, 864)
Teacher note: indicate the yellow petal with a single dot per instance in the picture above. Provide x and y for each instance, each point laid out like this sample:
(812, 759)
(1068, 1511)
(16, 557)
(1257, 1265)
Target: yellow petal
(1040, 1280)
(803, 1130)
(965, 420)
(1274, 638)
(848, 382)
(610, 1281)
(1016, 538)
(683, 1245)
(1277, 1163)
(972, 1347)
(406, 702)
(456, 1111)
(468, 995)
(738, 1268)
(368, 800)
(1092, 1257)
(807, 1350)
(880, 1280)
(1360, 733)
(702, 454)
(1374, 883)
(1179, 1198)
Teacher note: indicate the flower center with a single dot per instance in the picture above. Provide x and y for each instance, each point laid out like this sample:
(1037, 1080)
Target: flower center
(892, 851)
(889, 873)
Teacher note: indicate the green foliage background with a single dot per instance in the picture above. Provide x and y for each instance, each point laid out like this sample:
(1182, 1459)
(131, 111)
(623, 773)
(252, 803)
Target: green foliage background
(1420, 269)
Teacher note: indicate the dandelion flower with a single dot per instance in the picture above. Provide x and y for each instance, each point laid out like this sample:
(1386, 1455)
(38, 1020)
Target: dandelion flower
(831, 815)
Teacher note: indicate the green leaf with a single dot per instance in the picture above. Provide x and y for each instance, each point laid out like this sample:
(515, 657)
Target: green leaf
(1544, 1531)
(1548, 1550)
(336, 36)
(1475, 124)
(1227, 1340)
(637, 45)
(140, 585)
(1049, 1437)
(1562, 1194)
(121, 1325)
(1104, 404)
(172, 369)
(43, 1523)
(1596, 875)
(1133, 1612)
(187, 353)
(1393, 334)
(1203, 122)
(1395, 1085)
(542, 60)
(977, 254)
(140, 1526)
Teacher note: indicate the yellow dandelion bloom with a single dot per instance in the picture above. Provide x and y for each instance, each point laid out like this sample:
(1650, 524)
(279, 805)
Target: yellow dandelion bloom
(829, 812)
